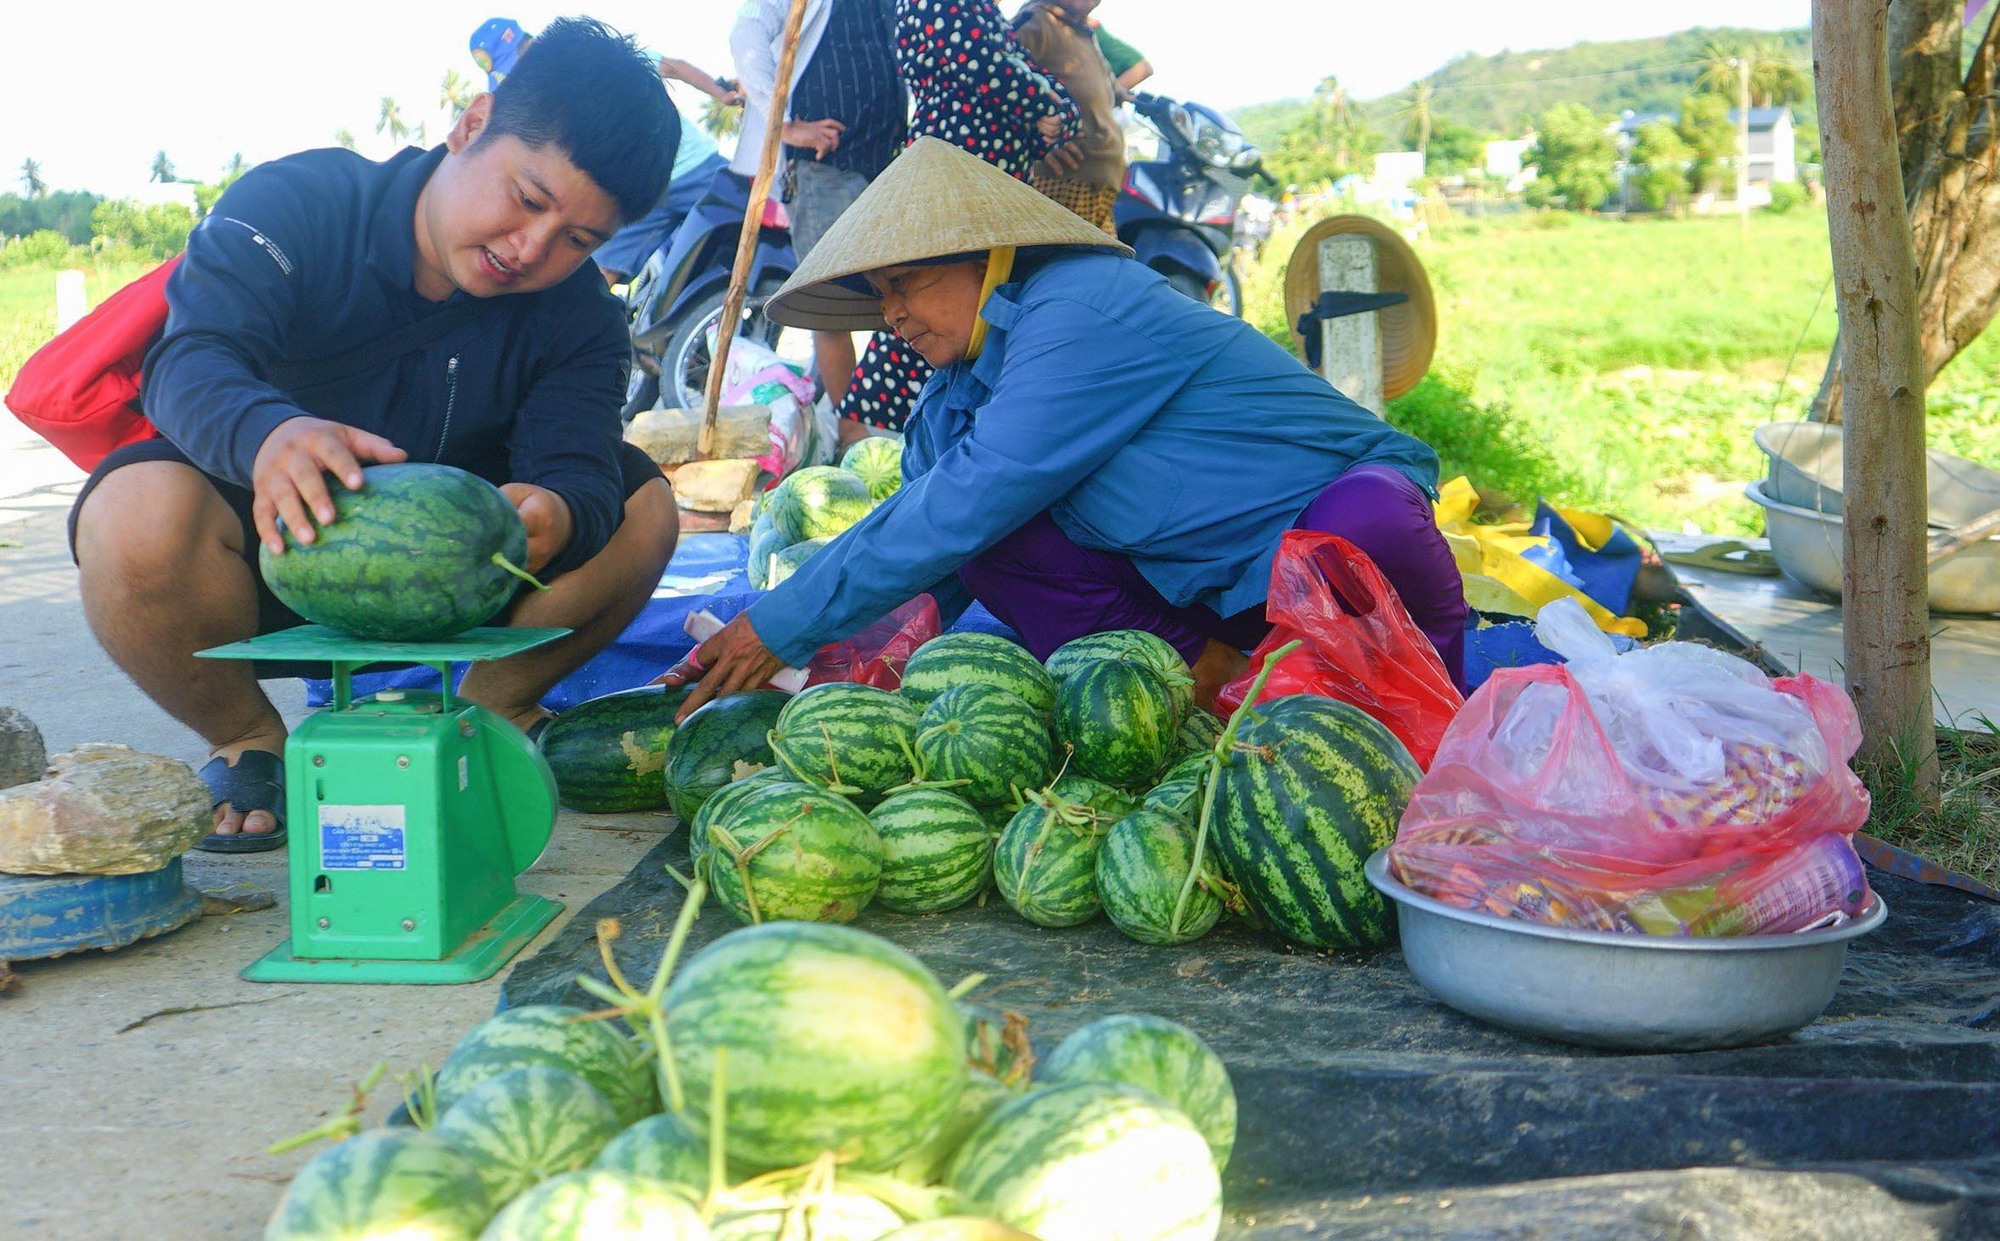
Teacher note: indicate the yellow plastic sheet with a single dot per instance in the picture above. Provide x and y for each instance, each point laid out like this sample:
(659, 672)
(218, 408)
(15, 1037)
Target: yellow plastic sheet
(1498, 578)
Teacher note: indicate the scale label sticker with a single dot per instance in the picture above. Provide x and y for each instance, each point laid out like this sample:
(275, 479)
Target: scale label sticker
(361, 838)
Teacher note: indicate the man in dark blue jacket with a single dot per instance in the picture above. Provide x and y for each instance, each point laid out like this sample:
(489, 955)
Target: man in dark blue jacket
(317, 255)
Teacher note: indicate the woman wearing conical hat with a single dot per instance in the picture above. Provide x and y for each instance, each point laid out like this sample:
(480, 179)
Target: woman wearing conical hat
(1095, 451)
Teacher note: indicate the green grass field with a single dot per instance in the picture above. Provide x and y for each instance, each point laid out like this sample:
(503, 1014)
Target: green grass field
(28, 306)
(1623, 366)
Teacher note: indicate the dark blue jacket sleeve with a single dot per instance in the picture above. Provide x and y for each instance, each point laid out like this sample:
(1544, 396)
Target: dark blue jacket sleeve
(567, 431)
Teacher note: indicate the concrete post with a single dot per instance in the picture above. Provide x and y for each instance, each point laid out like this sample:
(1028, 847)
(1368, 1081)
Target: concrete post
(1351, 346)
(72, 303)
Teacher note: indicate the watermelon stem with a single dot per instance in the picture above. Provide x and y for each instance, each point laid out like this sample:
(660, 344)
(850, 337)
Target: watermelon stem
(341, 1127)
(420, 1096)
(965, 986)
(519, 572)
(1213, 776)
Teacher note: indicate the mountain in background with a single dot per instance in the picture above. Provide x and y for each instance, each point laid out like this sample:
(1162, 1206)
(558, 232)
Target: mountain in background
(1500, 95)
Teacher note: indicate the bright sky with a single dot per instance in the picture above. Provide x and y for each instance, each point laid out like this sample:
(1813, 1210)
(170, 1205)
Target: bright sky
(92, 101)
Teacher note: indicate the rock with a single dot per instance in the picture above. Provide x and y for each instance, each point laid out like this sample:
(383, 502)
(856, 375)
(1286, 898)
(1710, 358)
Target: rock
(103, 810)
(672, 436)
(23, 757)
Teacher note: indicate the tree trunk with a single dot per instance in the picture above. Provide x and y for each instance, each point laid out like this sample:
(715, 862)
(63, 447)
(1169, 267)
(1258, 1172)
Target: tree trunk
(1948, 158)
(1884, 579)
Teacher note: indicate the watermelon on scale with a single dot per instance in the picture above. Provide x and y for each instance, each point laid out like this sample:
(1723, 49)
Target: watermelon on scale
(607, 753)
(954, 659)
(598, 1204)
(703, 753)
(1310, 789)
(384, 1183)
(421, 552)
(527, 1125)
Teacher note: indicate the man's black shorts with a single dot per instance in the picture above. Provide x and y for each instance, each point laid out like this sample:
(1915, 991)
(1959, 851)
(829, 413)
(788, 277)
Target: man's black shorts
(637, 468)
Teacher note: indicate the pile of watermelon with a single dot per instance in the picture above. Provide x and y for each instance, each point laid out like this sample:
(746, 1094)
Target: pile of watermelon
(811, 507)
(1087, 785)
(758, 1092)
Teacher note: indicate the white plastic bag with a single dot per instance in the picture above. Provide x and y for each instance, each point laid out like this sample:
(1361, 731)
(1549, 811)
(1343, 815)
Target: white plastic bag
(756, 375)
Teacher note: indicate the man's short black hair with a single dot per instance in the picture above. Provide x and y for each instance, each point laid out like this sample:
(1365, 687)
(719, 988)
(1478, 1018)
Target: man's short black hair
(587, 89)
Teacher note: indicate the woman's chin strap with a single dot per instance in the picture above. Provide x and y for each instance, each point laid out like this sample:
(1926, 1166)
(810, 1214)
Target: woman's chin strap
(999, 266)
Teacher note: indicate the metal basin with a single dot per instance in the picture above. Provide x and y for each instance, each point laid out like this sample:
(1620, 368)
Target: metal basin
(1806, 544)
(1806, 463)
(1605, 989)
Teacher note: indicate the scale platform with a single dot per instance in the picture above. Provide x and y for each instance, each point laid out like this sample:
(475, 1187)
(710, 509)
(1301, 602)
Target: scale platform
(409, 814)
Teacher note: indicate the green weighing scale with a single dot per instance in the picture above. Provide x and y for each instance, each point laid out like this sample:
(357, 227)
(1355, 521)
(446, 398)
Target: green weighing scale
(409, 813)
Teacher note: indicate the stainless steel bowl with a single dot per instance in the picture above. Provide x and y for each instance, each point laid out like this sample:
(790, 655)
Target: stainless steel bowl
(1807, 545)
(1605, 989)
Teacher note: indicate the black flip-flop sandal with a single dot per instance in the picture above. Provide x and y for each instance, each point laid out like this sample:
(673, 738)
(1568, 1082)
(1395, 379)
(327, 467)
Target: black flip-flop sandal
(255, 782)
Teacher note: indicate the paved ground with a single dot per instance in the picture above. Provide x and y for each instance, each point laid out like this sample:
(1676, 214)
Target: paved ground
(139, 1089)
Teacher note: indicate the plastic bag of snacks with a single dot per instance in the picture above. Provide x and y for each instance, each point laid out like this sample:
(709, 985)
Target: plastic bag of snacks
(1671, 789)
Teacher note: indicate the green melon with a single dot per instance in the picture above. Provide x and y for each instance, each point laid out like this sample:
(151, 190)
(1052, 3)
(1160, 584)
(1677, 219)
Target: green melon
(877, 461)
(789, 561)
(991, 739)
(834, 1040)
(560, 1037)
(1117, 718)
(1091, 1161)
(1159, 1055)
(701, 835)
(527, 1125)
(703, 753)
(1310, 789)
(847, 738)
(598, 1204)
(1045, 863)
(954, 659)
(607, 753)
(926, 1165)
(1130, 646)
(805, 1215)
(421, 552)
(668, 1147)
(1177, 795)
(793, 851)
(765, 545)
(401, 1183)
(817, 502)
(1141, 870)
(1197, 735)
(937, 851)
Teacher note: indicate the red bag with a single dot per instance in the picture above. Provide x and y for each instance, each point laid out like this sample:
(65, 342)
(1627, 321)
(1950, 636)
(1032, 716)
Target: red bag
(1360, 644)
(80, 391)
(877, 654)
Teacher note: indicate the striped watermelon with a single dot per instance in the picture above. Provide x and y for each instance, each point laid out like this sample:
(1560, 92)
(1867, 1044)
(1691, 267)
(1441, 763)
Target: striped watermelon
(954, 659)
(794, 851)
(788, 561)
(996, 1043)
(421, 552)
(805, 1215)
(560, 1037)
(1118, 719)
(817, 502)
(701, 834)
(877, 461)
(765, 544)
(1092, 1161)
(834, 1039)
(1045, 863)
(847, 738)
(385, 1183)
(607, 753)
(669, 1147)
(1310, 788)
(1197, 735)
(703, 753)
(937, 851)
(1140, 873)
(527, 1125)
(989, 737)
(1135, 646)
(1154, 1054)
(926, 1165)
(1176, 795)
(598, 1204)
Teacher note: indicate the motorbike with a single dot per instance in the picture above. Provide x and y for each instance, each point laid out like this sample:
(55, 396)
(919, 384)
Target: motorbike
(674, 301)
(1178, 211)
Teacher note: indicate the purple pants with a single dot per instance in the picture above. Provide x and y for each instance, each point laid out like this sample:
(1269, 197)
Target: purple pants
(1049, 590)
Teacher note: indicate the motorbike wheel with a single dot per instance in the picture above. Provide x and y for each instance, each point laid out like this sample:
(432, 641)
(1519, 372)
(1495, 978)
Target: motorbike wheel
(642, 392)
(1226, 297)
(684, 363)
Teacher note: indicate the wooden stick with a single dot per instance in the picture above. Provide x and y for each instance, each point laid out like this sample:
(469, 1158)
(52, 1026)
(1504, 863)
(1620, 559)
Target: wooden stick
(753, 221)
(1948, 543)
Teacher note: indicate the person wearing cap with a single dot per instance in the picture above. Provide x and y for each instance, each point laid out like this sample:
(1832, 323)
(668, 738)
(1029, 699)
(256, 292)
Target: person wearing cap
(1093, 453)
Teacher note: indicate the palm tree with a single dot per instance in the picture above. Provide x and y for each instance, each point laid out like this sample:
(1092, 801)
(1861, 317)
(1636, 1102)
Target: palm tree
(391, 120)
(1718, 69)
(237, 167)
(1776, 81)
(344, 137)
(455, 94)
(163, 168)
(1421, 114)
(31, 178)
(720, 119)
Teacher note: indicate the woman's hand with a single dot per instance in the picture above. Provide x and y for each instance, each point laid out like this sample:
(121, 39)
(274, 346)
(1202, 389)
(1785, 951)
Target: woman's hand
(288, 478)
(732, 661)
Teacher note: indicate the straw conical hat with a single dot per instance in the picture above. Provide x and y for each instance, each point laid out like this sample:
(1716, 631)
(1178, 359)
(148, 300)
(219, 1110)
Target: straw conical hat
(934, 199)
(1409, 330)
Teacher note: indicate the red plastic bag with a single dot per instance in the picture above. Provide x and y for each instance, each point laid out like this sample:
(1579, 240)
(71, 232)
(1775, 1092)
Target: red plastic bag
(1552, 798)
(1360, 644)
(80, 391)
(877, 654)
